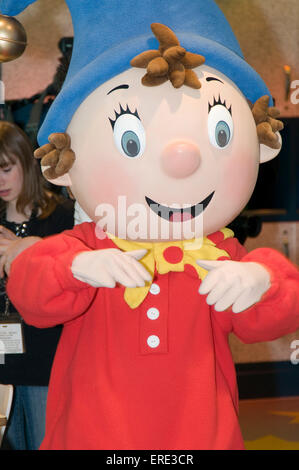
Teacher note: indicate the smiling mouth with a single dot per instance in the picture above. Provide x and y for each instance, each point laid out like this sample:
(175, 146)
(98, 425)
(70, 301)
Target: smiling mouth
(178, 215)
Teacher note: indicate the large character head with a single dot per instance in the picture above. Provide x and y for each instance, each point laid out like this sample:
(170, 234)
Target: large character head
(170, 152)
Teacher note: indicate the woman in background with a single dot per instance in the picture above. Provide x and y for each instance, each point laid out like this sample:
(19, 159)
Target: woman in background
(27, 209)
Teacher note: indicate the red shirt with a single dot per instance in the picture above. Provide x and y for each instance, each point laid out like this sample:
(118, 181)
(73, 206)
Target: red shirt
(109, 388)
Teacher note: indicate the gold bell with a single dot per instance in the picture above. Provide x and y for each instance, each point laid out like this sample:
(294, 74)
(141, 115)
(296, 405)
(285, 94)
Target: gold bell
(13, 39)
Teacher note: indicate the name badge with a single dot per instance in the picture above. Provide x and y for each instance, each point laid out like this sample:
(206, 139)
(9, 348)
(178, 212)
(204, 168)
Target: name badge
(11, 338)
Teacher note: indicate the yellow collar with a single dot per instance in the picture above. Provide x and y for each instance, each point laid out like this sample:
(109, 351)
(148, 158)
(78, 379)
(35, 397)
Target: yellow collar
(170, 256)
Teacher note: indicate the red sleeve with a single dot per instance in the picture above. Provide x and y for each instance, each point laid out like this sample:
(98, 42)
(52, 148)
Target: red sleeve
(47, 294)
(277, 313)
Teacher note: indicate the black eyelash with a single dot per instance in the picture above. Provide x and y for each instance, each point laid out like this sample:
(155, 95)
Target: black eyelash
(122, 111)
(219, 101)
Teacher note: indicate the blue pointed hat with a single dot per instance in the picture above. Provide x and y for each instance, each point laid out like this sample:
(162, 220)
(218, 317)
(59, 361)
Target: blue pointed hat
(109, 33)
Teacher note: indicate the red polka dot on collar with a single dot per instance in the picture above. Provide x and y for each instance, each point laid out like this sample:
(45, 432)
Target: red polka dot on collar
(173, 254)
(190, 270)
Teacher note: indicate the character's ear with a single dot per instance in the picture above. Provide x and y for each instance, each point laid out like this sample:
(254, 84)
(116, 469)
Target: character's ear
(268, 126)
(267, 153)
(64, 180)
(57, 158)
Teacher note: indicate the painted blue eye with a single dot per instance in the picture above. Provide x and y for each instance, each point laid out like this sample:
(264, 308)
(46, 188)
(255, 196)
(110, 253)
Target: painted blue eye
(222, 134)
(129, 136)
(130, 144)
(220, 127)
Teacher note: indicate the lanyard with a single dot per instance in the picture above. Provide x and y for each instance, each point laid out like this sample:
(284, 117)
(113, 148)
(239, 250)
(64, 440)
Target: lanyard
(6, 309)
(6, 314)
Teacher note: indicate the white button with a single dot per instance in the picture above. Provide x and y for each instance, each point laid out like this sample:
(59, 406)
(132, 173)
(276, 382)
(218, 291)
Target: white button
(154, 289)
(153, 341)
(153, 313)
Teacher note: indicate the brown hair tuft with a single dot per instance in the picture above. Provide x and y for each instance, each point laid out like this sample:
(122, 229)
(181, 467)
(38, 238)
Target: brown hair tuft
(170, 62)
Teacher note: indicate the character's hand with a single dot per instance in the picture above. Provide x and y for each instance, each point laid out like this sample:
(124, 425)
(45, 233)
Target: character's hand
(10, 249)
(233, 284)
(105, 268)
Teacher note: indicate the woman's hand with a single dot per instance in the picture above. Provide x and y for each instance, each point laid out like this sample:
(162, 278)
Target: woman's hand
(7, 234)
(11, 248)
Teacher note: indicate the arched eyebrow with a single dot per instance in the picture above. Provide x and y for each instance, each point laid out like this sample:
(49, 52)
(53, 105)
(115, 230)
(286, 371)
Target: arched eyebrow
(118, 88)
(210, 79)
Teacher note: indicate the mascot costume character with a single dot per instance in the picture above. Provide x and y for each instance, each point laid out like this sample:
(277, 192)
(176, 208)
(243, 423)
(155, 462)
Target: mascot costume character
(158, 131)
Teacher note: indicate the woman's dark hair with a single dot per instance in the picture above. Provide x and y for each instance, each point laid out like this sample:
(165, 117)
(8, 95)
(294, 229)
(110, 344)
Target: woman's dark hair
(16, 146)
